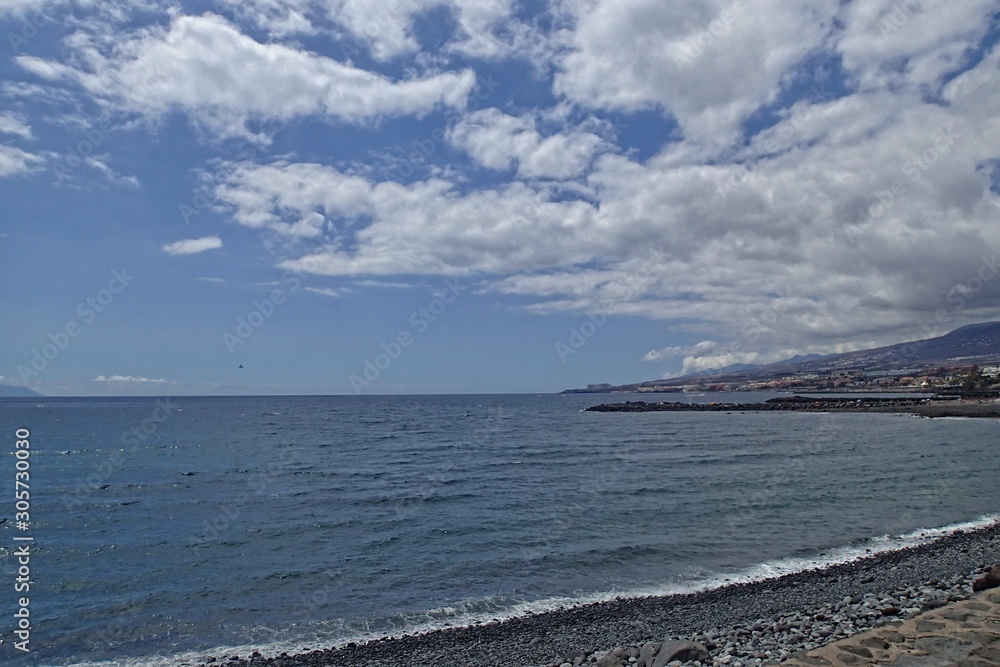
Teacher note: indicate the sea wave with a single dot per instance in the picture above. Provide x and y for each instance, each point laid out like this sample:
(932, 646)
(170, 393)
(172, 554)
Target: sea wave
(323, 635)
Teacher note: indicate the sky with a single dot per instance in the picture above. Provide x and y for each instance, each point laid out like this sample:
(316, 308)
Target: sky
(478, 196)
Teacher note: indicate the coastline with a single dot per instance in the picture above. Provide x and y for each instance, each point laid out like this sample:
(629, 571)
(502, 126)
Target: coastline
(981, 408)
(943, 568)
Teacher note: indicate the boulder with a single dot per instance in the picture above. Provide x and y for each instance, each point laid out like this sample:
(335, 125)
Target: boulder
(610, 660)
(647, 653)
(682, 650)
(989, 580)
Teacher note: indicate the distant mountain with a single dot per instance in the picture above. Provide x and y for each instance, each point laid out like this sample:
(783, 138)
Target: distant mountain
(975, 343)
(9, 391)
(733, 368)
(801, 358)
(968, 342)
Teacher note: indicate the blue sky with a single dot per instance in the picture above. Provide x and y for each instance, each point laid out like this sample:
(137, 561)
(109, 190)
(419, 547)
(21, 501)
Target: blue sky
(485, 195)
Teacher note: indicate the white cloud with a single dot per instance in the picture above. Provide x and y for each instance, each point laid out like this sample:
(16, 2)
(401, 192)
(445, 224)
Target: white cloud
(30, 8)
(130, 379)
(423, 228)
(852, 220)
(14, 161)
(210, 279)
(99, 163)
(281, 18)
(193, 246)
(15, 125)
(499, 141)
(223, 80)
(386, 26)
(910, 42)
(381, 283)
(327, 291)
(710, 355)
(680, 351)
(709, 64)
(863, 218)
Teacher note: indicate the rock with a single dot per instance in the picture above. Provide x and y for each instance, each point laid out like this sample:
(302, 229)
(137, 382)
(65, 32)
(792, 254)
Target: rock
(682, 650)
(890, 611)
(609, 660)
(647, 653)
(989, 580)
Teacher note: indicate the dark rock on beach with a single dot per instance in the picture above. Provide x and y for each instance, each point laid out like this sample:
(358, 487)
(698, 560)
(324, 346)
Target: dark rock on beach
(990, 580)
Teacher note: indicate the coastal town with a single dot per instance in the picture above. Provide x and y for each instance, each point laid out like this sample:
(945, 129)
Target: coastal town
(964, 361)
(942, 379)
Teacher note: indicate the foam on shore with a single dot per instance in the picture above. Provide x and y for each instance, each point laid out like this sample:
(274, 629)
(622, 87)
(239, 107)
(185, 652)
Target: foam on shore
(479, 612)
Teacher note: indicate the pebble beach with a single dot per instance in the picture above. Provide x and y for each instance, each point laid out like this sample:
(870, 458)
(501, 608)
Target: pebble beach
(739, 625)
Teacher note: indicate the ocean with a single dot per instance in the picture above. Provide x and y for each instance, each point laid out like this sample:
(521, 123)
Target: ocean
(172, 530)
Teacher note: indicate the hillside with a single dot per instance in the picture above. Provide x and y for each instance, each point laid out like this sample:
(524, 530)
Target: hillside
(963, 347)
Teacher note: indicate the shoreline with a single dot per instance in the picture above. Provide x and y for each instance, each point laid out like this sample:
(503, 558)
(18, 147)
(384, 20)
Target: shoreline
(978, 408)
(548, 638)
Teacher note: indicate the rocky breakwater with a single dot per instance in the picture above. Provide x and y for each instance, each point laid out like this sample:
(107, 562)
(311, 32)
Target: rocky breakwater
(803, 403)
(773, 640)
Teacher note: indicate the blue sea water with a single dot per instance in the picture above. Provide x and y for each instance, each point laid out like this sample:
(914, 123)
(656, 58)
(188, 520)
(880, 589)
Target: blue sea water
(172, 529)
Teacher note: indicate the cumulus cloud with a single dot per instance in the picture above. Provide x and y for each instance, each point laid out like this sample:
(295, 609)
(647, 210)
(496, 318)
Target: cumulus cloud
(223, 79)
(14, 161)
(20, 8)
(822, 230)
(850, 221)
(281, 18)
(193, 246)
(499, 141)
(709, 355)
(15, 125)
(708, 64)
(428, 227)
(387, 26)
(910, 42)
